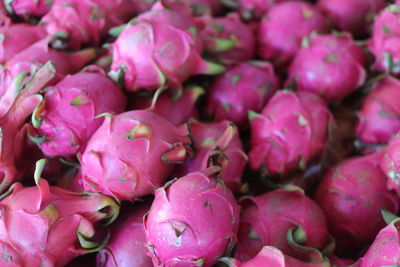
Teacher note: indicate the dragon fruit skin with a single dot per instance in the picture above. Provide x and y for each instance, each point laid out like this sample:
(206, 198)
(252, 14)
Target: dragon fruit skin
(390, 164)
(379, 117)
(385, 250)
(228, 39)
(195, 7)
(353, 192)
(384, 41)
(271, 256)
(330, 66)
(48, 226)
(29, 9)
(338, 262)
(216, 143)
(152, 52)
(352, 16)
(131, 154)
(178, 225)
(280, 37)
(269, 219)
(80, 97)
(17, 37)
(176, 107)
(73, 23)
(256, 9)
(127, 245)
(275, 133)
(246, 86)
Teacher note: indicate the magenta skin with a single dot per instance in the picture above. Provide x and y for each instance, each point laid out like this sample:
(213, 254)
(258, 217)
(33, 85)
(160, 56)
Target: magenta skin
(216, 143)
(354, 16)
(241, 39)
(127, 245)
(331, 66)
(283, 140)
(351, 193)
(16, 37)
(192, 222)
(30, 9)
(390, 164)
(152, 53)
(267, 219)
(385, 250)
(195, 7)
(75, 23)
(80, 97)
(256, 9)
(283, 28)
(379, 117)
(131, 154)
(176, 107)
(384, 41)
(243, 87)
(48, 226)
(271, 256)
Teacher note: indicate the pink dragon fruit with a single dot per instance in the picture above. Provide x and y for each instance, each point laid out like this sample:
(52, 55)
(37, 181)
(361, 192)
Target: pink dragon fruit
(131, 154)
(176, 107)
(385, 250)
(352, 193)
(16, 105)
(72, 180)
(127, 246)
(284, 27)
(278, 219)
(196, 7)
(154, 55)
(271, 256)
(228, 39)
(328, 65)
(255, 9)
(191, 222)
(48, 226)
(384, 42)
(353, 16)
(29, 9)
(79, 97)
(216, 144)
(246, 86)
(390, 163)
(379, 117)
(282, 139)
(74, 23)
(38, 54)
(17, 37)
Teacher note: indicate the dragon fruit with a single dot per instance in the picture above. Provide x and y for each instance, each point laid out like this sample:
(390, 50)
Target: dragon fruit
(131, 154)
(127, 245)
(246, 86)
(152, 53)
(17, 37)
(48, 226)
(353, 16)
(191, 222)
(384, 42)
(29, 9)
(79, 97)
(74, 23)
(176, 107)
(216, 143)
(379, 117)
(284, 27)
(385, 250)
(228, 39)
(271, 256)
(255, 9)
(328, 65)
(18, 102)
(338, 262)
(390, 163)
(282, 139)
(278, 219)
(196, 7)
(352, 193)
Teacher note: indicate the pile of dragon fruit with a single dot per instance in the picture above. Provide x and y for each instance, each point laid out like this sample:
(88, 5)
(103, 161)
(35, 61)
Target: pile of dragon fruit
(184, 133)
